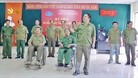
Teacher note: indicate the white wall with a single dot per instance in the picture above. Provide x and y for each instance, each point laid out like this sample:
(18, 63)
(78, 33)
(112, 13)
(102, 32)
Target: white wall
(134, 9)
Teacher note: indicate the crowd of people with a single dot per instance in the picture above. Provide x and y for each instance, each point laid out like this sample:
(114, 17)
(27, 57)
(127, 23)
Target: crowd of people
(82, 37)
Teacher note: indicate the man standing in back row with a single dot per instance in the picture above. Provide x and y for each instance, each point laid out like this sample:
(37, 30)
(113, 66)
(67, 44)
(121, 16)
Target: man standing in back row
(37, 24)
(86, 35)
(21, 37)
(51, 36)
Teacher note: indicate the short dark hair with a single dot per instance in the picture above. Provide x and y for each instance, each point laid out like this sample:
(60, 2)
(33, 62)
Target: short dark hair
(88, 15)
(7, 20)
(19, 21)
(114, 22)
(39, 28)
(73, 22)
(129, 22)
(67, 29)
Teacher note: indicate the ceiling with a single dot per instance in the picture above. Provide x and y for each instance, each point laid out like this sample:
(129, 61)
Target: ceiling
(74, 1)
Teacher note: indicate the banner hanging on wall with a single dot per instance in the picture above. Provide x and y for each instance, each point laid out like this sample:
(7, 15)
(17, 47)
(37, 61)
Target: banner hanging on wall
(58, 15)
(13, 13)
(106, 12)
(77, 6)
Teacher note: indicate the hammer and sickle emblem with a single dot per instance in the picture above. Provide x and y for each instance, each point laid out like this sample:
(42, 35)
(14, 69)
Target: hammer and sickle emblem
(10, 11)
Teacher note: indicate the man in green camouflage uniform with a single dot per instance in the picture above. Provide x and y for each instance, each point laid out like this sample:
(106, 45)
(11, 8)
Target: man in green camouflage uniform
(6, 38)
(51, 36)
(21, 37)
(130, 41)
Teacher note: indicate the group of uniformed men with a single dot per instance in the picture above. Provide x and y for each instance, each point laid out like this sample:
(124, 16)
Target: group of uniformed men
(84, 35)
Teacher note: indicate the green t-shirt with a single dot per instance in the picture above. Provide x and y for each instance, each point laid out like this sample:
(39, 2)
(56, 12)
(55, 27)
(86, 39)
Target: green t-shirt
(34, 27)
(7, 31)
(67, 40)
(114, 36)
(85, 34)
(130, 35)
(61, 32)
(51, 32)
(21, 32)
(36, 40)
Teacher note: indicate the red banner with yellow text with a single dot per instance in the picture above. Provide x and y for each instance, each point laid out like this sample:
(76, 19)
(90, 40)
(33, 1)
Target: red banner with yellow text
(58, 15)
(13, 13)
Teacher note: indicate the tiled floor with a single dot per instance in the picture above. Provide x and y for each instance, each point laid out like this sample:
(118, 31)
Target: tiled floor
(14, 68)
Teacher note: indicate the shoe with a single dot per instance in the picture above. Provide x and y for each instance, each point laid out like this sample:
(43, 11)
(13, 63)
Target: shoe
(110, 61)
(76, 73)
(60, 65)
(133, 65)
(52, 56)
(118, 63)
(38, 63)
(17, 57)
(128, 63)
(49, 56)
(86, 73)
(66, 65)
(10, 57)
(22, 57)
(4, 57)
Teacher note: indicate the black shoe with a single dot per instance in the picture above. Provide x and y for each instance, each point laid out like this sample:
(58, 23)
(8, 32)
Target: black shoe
(118, 63)
(133, 65)
(76, 73)
(49, 56)
(10, 57)
(52, 56)
(86, 73)
(4, 57)
(66, 65)
(128, 63)
(17, 57)
(60, 65)
(22, 57)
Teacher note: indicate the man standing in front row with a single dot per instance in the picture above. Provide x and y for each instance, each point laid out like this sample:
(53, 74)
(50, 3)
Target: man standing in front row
(51, 36)
(6, 38)
(85, 39)
(21, 37)
(114, 42)
(130, 41)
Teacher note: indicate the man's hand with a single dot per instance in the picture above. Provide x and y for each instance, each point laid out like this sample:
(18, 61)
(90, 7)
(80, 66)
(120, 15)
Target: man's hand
(29, 44)
(25, 40)
(93, 45)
